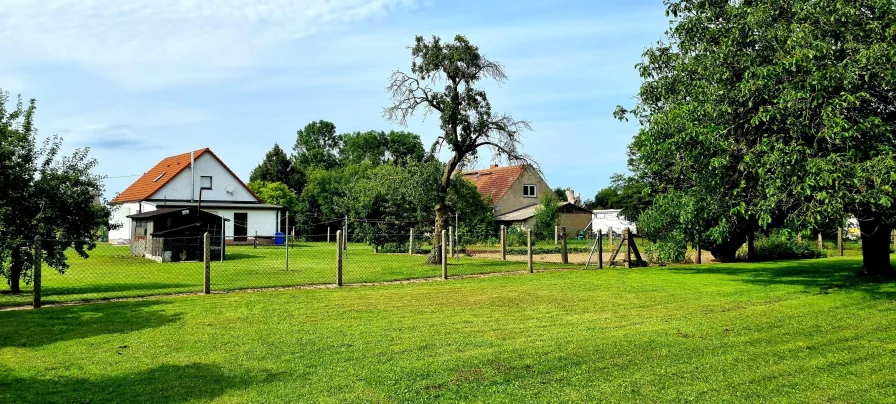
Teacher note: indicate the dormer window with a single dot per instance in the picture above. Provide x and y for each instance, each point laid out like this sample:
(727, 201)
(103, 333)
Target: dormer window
(529, 190)
(205, 182)
(159, 177)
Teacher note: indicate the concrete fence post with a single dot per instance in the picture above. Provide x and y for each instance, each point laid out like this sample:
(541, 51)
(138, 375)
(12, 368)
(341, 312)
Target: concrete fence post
(444, 257)
(503, 243)
(450, 241)
(564, 254)
(339, 236)
(207, 264)
(556, 234)
(328, 234)
(840, 241)
(820, 242)
(529, 250)
(37, 279)
(411, 243)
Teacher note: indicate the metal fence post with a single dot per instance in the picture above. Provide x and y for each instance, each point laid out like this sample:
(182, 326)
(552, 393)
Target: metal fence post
(206, 263)
(411, 243)
(339, 236)
(38, 252)
(444, 257)
(503, 243)
(564, 253)
(529, 247)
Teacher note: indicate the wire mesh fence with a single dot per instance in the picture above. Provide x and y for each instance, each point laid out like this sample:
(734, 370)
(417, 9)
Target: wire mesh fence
(153, 266)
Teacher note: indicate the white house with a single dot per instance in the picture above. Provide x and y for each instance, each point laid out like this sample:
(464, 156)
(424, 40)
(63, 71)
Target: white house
(198, 178)
(610, 219)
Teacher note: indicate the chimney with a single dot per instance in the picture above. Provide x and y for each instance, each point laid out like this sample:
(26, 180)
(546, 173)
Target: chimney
(493, 166)
(570, 196)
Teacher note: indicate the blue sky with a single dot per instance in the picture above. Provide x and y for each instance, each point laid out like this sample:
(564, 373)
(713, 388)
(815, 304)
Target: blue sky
(138, 81)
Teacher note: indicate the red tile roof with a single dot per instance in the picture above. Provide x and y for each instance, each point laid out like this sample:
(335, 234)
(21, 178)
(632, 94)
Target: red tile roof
(495, 181)
(150, 181)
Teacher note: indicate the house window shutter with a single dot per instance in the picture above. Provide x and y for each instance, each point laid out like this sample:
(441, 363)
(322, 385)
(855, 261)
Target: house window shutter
(205, 182)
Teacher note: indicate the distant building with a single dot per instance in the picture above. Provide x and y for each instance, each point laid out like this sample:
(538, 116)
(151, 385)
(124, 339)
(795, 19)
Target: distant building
(190, 180)
(607, 220)
(516, 192)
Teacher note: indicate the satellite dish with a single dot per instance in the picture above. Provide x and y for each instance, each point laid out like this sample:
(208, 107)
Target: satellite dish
(229, 189)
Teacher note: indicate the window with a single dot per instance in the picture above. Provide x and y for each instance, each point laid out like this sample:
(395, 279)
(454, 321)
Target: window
(529, 191)
(205, 182)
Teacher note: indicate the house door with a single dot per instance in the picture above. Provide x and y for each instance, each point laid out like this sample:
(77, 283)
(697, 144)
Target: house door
(240, 226)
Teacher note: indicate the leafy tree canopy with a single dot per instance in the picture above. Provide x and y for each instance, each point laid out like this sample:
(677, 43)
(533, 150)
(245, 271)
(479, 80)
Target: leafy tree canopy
(547, 216)
(378, 147)
(43, 194)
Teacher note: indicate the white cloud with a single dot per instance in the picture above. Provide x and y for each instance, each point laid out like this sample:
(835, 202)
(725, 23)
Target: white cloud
(148, 45)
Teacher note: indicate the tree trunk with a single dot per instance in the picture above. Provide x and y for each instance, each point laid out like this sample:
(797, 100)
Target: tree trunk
(726, 251)
(876, 248)
(751, 246)
(442, 212)
(435, 256)
(15, 270)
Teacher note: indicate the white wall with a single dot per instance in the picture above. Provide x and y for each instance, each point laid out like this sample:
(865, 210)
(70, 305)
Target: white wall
(264, 221)
(178, 188)
(120, 216)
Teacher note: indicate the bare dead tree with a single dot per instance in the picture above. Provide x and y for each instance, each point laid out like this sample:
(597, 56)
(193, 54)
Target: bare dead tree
(444, 79)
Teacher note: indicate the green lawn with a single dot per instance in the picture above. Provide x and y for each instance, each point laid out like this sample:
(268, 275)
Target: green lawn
(805, 331)
(111, 272)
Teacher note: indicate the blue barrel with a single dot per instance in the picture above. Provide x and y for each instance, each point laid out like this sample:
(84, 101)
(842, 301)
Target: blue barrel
(279, 238)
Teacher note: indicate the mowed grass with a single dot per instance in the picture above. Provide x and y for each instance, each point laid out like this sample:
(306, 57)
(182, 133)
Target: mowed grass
(112, 272)
(808, 331)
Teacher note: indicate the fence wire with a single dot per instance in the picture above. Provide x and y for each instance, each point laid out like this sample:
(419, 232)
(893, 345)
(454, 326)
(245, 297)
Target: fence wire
(153, 266)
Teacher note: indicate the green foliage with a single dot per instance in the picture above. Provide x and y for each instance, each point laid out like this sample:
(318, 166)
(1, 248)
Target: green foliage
(276, 193)
(317, 146)
(547, 216)
(776, 247)
(517, 237)
(606, 198)
(43, 194)
(378, 147)
(277, 167)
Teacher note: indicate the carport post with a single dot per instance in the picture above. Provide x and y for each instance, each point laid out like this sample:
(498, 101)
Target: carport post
(207, 264)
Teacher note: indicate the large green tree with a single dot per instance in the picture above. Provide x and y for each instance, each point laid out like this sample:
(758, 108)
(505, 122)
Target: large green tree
(277, 167)
(378, 147)
(773, 114)
(445, 78)
(317, 146)
(43, 194)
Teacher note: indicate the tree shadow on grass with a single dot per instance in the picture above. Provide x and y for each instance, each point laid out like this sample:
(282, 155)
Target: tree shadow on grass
(150, 288)
(33, 328)
(817, 275)
(162, 384)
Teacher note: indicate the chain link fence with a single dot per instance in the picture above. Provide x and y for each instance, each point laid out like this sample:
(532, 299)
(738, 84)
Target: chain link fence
(158, 266)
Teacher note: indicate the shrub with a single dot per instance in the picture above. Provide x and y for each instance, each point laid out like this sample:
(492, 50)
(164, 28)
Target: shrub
(673, 249)
(779, 248)
(516, 237)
